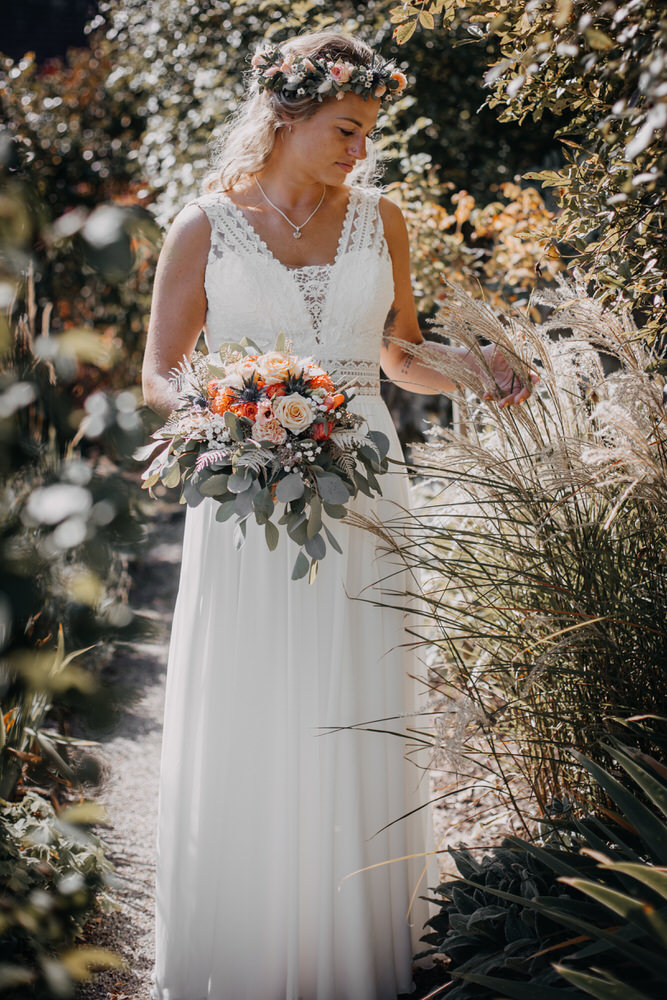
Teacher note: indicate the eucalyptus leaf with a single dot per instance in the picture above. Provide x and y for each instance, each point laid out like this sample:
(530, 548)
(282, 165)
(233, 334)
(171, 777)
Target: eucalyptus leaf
(315, 547)
(289, 488)
(191, 492)
(332, 540)
(271, 534)
(332, 489)
(315, 519)
(263, 502)
(234, 425)
(337, 511)
(238, 482)
(243, 503)
(215, 486)
(226, 510)
(301, 567)
(172, 476)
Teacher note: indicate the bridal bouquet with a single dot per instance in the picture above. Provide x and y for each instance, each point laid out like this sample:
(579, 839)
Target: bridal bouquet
(267, 435)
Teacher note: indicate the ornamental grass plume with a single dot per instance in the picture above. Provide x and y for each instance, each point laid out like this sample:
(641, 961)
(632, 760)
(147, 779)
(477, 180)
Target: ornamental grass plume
(538, 547)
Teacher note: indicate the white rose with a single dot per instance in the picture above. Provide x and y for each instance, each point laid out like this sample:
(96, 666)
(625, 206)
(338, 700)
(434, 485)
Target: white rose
(294, 412)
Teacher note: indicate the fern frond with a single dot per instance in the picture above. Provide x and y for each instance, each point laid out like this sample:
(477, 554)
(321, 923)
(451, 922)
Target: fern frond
(210, 458)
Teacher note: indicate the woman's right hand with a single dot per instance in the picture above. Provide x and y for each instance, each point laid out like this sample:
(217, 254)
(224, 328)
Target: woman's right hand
(178, 308)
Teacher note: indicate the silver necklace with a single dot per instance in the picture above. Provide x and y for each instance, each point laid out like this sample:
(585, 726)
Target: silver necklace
(297, 229)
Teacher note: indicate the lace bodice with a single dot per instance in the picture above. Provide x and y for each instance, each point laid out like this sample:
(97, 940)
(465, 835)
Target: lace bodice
(334, 312)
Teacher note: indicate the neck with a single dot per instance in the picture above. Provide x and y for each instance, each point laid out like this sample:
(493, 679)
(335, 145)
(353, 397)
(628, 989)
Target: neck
(291, 189)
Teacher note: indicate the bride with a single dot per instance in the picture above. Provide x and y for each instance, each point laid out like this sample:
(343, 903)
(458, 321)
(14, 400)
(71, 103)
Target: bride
(293, 843)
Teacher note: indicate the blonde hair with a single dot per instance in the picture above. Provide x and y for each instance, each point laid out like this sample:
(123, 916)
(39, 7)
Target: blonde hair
(248, 137)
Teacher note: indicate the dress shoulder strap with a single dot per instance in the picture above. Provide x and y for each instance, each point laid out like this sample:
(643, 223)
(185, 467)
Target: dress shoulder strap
(366, 231)
(227, 229)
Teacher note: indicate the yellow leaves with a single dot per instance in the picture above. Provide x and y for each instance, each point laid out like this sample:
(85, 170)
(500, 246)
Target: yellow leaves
(426, 20)
(598, 40)
(563, 13)
(464, 205)
(404, 32)
(80, 961)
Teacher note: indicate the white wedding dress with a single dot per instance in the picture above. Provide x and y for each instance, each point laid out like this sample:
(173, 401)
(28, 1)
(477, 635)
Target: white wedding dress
(267, 816)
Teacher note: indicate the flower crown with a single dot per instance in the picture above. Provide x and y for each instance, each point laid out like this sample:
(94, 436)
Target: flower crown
(319, 78)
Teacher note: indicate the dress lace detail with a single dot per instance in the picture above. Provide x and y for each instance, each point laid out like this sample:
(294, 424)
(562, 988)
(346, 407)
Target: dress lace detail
(314, 284)
(334, 310)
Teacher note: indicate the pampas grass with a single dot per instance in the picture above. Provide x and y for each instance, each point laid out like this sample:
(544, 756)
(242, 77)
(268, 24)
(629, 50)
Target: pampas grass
(538, 547)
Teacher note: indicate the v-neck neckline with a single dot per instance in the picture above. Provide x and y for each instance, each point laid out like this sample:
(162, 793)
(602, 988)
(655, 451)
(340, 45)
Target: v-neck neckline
(261, 244)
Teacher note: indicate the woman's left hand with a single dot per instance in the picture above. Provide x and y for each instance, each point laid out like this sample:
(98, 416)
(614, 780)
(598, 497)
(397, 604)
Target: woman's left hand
(510, 387)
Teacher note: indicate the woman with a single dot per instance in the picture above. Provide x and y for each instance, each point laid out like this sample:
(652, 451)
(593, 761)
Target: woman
(281, 874)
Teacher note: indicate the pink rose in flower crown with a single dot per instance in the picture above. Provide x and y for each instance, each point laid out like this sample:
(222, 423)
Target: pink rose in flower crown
(258, 59)
(272, 71)
(287, 65)
(341, 72)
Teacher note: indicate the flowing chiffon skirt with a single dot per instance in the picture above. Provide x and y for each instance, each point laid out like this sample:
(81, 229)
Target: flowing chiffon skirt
(268, 812)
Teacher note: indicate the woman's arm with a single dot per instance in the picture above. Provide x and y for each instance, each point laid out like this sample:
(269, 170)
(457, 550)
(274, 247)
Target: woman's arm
(178, 309)
(401, 366)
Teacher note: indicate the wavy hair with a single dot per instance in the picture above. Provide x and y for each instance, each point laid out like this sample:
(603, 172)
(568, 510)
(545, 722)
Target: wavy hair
(249, 135)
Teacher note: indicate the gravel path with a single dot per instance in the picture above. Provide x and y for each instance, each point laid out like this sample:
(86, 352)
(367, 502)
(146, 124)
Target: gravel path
(130, 756)
(131, 762)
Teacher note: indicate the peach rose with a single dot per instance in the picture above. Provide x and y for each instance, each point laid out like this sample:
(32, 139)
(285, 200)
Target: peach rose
(272, 70)
(267, 428)
(274, 366)
(258, 59)
(294, 412)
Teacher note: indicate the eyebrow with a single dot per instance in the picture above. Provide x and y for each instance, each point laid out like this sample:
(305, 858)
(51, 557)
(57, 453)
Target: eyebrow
(344, 118)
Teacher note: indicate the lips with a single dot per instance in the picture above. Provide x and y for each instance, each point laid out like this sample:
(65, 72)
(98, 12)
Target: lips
(345, 166)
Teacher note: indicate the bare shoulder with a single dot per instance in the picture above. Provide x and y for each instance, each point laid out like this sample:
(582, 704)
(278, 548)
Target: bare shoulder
(191, 224)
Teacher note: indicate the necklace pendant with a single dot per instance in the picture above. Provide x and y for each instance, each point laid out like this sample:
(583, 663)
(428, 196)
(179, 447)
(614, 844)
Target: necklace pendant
(297, 234)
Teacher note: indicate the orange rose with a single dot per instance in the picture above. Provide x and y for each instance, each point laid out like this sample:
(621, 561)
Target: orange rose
(275, 390)
(222, 402)
(248, 410)
(321, 382)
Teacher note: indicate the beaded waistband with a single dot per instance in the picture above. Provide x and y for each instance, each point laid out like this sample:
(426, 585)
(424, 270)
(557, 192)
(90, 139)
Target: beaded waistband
(366, 374)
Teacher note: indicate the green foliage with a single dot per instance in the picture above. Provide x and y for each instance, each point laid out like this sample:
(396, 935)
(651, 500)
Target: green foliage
(52, 872)
(68, 517)
(516, 922)
(602, 67)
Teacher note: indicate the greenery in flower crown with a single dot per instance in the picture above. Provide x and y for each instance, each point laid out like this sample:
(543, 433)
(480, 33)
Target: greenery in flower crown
(319, 78)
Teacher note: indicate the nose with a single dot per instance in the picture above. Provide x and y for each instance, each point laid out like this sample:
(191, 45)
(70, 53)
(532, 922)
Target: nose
(357, 147)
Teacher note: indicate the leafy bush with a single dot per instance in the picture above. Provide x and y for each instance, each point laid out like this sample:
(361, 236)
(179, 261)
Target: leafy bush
(68, 517)
(516, 923)
(601, 68)
(52, 872)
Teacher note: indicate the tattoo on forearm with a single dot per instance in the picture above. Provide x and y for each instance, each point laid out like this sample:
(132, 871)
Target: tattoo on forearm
(389, 326)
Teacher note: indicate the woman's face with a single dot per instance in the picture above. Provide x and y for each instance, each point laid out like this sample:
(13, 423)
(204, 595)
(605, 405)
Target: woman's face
(328, 145)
